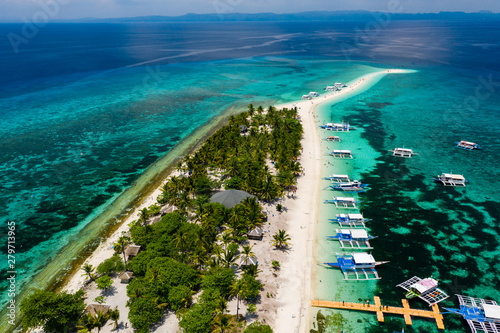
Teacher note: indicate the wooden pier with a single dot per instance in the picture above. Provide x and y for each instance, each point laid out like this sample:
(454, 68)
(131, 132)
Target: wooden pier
(380, 309)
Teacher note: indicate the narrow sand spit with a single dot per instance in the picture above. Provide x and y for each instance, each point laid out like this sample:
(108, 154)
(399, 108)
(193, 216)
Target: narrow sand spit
(285, 301)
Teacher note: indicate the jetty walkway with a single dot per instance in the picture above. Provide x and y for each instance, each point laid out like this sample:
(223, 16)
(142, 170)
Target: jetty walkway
(380, 309)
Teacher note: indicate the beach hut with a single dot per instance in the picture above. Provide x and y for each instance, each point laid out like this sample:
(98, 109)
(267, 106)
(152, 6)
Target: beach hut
(132, 251)
(125, 277)
(154, 220)
(230, 198)
(243, 129)
(256, 234)
(247, 261)
(167, 209)
(93, 309)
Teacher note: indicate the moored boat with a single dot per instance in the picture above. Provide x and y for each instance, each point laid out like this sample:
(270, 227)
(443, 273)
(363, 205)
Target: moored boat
(403, 152)
(355, 239)
(342, 154)
(339, 127)
(482, 315)
(354, 186)
(351, 220)
(467, 145)
(344, 202)
(425, 289)
(338, 178)
(333, 138)
(450, 179)
(357, 266)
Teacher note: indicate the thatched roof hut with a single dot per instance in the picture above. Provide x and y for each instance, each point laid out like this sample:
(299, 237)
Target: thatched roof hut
(247, 261)
(125, 277)
(132, 251)
(256, 234)
(230, 198)
(92, 309)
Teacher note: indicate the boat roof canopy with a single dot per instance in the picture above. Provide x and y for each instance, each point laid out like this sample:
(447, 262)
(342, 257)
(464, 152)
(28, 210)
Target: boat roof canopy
(339, 176)
(492, 311)
(425, 284)
(359, 233)
(467, 143)
(453, 176)
(404, 149)
(342, 151)
(345, 199)
(355, 216)
(363, 258)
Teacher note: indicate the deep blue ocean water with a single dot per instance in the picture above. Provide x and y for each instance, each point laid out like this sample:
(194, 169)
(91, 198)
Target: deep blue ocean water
(86, 108)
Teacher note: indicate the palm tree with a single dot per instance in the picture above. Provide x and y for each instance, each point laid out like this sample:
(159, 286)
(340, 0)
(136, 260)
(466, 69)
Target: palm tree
(222, 322)
(100, 319)
(252, 270)
(86, 323)
(247, 253)
(120, 246)
(155, 276)
(88, 269)
(144, 215)
(114, 315)
(137, 293)
(181, 241)
(236, 290)
(226, 239)
(281, 239)
(230, 258)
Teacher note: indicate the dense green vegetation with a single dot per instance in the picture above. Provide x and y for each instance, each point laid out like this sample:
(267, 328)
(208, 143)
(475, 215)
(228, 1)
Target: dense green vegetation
(196, 249)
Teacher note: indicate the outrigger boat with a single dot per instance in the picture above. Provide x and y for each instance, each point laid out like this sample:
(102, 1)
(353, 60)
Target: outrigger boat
(351, 220)
(482, 315)
(338, 178)
(342, 154)
(344, 202)
(333, 138)
(311, 95)
(450, 179)
(353, 239)
(425, 289)
(403, 152)
(467, 145)
(331, 88)
(357, 266)
(354, 186)
(339, 127)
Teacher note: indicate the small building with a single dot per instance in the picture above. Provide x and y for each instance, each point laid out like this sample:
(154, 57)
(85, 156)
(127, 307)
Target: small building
(132, 251)
(247, 261)
(126, 277)
(243, 129)
(255, 234)
(154, 220)
(167, 209)
(93, 309)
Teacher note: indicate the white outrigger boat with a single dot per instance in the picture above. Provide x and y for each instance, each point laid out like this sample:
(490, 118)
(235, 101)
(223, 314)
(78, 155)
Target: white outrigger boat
(354, 186)
(403, 152)
(353, 239)
(342, 154)
(338, 178)
(339, 127)
(351, 220)
(344, 202)
(333, 138)
(467, 145)
(425, 289)
(357, 266)
(450, 179)
(311, 95)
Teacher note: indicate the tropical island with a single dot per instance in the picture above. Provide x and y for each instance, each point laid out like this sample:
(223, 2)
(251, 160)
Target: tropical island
(219, 246)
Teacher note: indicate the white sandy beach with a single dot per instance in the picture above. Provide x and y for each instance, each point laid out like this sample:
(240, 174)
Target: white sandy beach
(287, 308)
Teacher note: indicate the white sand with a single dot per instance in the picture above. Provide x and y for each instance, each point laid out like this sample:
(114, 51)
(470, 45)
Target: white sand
(286, 310)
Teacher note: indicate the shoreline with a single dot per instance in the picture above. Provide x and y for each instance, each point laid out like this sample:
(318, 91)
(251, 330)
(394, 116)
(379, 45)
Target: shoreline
(308, 186)
(56, 276)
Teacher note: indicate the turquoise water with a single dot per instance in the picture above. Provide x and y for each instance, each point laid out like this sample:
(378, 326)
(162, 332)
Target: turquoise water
(69, 151)
(423, 228)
